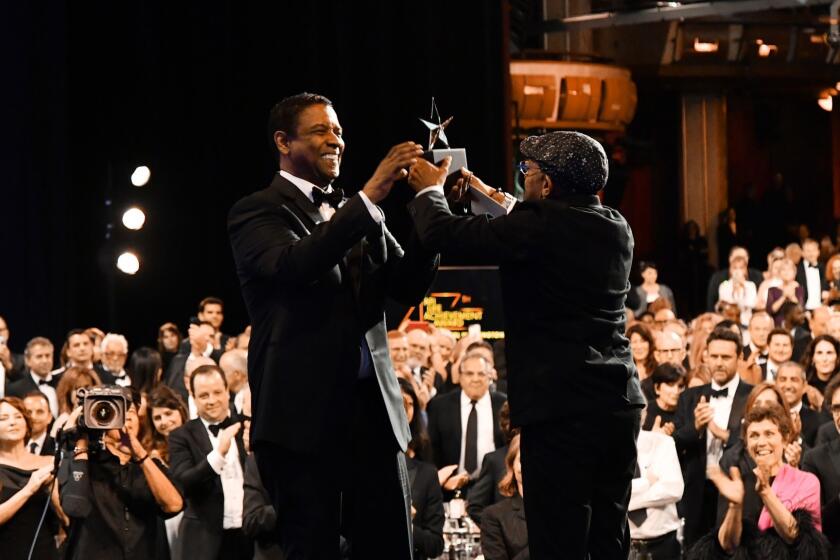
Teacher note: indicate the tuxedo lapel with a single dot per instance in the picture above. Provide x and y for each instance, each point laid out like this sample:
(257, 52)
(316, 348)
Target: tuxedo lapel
(739, 402)
(301, 205)
(201, 437)
(833, 450)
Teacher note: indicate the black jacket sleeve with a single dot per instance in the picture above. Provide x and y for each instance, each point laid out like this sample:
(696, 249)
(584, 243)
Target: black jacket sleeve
(193, 477)
(258, 515)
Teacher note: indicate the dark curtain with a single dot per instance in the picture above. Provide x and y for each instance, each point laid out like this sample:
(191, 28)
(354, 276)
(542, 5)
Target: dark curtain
(97, 88)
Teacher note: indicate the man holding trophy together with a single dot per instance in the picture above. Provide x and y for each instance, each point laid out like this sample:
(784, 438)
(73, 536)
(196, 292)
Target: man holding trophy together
(324, 395)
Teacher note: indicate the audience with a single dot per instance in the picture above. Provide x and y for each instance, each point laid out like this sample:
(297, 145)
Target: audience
(810, 274)
(114, 353)
(651, 290)
(820, 361)
(788, 291)
(37, 376)
(504, 532)
(738, 289)
(25, 488)
(643, 346)
(40, 442)
(669, 382)
(779, 351)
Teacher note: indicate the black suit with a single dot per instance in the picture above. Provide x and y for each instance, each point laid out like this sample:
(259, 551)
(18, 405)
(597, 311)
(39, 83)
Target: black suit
(174, 376)
(824, 461)
(699, 501)
(201, 530)
(504, 533)
(315, 292)
(259, 520)
(827, 432)
(444, 428)
(427, 499)
(26, 385)
(811, 422)
(801, 278)
(564, 266)
(485, 490)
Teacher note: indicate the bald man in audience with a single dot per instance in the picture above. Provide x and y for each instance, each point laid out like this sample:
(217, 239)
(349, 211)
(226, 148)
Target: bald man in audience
(235, 365)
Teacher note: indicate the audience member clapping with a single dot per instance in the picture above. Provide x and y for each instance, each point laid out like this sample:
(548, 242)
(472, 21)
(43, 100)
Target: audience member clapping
(669, 382)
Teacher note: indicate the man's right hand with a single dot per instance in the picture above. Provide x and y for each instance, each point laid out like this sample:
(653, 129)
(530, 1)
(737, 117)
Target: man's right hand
(226, 437)
(390, 169)
(703, 414)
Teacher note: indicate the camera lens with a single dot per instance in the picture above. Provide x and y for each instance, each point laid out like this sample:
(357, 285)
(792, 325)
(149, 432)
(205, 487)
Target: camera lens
(103, 412)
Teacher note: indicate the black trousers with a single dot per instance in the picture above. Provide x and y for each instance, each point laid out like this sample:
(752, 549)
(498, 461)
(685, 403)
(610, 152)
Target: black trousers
(358, 488)
(666, 547)
(576, 476)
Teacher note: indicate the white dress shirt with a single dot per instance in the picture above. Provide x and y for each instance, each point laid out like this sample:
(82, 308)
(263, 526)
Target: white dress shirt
(325, 209)
(658, 456)
(484, 424)
(233, 479)
(2, 381)
(722, 407)
(48, 390)
(772, 368)
(814, 284)
(122, 378)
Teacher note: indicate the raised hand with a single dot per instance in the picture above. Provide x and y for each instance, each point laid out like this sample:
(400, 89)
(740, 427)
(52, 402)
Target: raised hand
(40, 478)
(730, 487)
(392, 168)
(226, 437)
(703, 414)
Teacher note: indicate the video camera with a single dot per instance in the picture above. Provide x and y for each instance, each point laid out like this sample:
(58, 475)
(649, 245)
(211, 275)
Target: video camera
(103, 408)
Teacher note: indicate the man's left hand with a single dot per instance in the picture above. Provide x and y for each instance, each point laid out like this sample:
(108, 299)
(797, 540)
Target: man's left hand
(424, 174)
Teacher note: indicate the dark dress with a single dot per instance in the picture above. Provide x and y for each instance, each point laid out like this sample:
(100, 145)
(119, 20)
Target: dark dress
(653, 410)
(773, 295)
(16, 534)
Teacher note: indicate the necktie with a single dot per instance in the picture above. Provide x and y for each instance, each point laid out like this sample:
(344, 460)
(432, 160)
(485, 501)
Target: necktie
(720, 393)
(214, 428)
(471, 447)
(33, 448)
(333, 198)
(637, 516)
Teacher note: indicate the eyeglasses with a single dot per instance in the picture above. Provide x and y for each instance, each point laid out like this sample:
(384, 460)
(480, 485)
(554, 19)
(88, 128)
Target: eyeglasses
(524, 168)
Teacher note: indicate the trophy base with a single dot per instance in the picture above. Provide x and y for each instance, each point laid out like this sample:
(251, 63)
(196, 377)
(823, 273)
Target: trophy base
(459, 161)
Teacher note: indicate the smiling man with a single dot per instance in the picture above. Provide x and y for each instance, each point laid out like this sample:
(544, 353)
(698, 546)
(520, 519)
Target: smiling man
(315, 268)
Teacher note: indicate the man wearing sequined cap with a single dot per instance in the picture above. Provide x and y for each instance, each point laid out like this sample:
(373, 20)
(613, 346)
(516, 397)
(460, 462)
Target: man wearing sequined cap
(564, 261)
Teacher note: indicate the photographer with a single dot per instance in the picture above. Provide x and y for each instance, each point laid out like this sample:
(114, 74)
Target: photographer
(113, 492)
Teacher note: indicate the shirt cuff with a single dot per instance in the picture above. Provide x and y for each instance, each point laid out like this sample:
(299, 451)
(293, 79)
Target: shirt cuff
(375, 212)
(438, 188)
(216, 461)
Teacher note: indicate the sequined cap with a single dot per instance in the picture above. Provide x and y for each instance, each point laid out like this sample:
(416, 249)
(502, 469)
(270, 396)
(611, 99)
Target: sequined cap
(575, 162)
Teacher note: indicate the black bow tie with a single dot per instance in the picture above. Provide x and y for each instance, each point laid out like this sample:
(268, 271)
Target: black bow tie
(43, 382)
(333, 198)
(720, 393)
(214, 428)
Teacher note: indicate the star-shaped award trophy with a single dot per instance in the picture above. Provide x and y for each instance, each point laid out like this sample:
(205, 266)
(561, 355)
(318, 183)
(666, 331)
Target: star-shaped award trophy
(436, 155)
(481, 200)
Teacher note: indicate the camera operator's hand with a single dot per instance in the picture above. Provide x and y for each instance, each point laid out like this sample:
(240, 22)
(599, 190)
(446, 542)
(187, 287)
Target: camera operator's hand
(226, 437)
(66, 422)
(40, 478)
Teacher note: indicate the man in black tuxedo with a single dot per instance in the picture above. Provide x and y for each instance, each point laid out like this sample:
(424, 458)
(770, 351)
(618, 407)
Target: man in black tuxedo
(475, 407)
(38, 374)
(208, 458)
(329, 429)
(810, 274)
(708, 422)
(114, 355)
(824, 461)
(40, 419)
(564, 261)
(791, 381)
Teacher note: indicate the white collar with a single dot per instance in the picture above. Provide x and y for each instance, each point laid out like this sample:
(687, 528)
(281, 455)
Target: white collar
(465, 400)
(36, 378)
(797, 407)
(731, 385)
(302, 184)
(208, 424)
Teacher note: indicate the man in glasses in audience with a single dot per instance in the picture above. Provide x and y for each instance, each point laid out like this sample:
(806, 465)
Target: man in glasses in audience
(578, 457)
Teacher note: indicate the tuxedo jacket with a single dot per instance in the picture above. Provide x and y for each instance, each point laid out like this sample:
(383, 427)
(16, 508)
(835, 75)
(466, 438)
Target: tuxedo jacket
(188, 449)
(444, 413)
(485, 491)
(824, 461)
(811, 422)
(25, 385)
(504, 532)
(801, 278)
(826, 433)
(691, 448)
(564, 266)
(313, 290)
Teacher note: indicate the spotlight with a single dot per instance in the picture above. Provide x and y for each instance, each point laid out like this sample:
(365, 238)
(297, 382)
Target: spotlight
(141, 176)
(705, 46)
(826, 101)
(765, 50)
(134, 218)
(128, 263)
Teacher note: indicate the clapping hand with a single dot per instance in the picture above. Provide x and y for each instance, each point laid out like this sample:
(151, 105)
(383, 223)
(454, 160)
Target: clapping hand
(40, 478)
(703, 414)
(730, 487)
(762, 480)
(226, 437)
(667, 428)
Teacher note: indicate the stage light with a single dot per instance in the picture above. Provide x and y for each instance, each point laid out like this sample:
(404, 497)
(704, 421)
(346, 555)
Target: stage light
(765, 49)
(826, 102)
(134, 218)
(705, 46)
(141, 176)
(128, 263)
